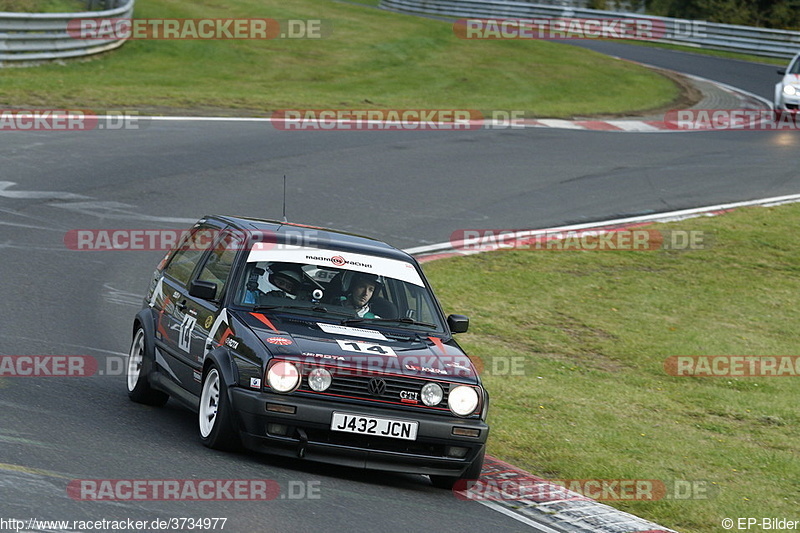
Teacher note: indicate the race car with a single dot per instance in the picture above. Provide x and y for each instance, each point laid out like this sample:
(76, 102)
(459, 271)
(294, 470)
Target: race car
(310, 343)
(787, 91)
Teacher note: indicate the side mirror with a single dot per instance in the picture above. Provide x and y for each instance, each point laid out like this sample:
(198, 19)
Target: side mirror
(458, 323)
(205, 290)
(781, 71)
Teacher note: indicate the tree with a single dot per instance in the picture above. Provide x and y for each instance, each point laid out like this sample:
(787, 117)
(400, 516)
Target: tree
(763, 13)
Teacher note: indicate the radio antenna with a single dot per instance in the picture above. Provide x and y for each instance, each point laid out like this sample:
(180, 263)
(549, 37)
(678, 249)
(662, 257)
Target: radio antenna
(284, 199)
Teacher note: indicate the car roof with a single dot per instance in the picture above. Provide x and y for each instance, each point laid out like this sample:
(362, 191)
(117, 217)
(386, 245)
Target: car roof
(318, 236)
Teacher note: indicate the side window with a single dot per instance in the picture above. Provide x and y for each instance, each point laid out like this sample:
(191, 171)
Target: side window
(390, 291)
(419, 306)
(218, 266)
(190, 250)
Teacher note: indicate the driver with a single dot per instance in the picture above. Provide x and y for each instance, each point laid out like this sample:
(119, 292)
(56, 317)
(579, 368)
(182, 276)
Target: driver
(288, 282)
(362, 288)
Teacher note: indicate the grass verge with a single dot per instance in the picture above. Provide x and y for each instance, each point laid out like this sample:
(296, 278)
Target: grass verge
(42, 6)
(682, 48)
(373, 59)
(593, 331)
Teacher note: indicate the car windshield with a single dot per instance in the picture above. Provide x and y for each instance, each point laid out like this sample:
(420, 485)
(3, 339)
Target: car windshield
(794, 68)
(340, 286)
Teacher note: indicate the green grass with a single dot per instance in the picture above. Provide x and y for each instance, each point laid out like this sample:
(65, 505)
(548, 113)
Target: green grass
(43, 6)
(594, 329)
(682, 48)
(373, 59)
(374, 3)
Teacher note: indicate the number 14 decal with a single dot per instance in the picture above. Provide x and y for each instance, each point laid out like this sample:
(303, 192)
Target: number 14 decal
(185, 333)
(361, 346)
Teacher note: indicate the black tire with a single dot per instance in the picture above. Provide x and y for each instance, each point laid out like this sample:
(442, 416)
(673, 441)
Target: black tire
(464, 481)
(139, 361)
(215, 417)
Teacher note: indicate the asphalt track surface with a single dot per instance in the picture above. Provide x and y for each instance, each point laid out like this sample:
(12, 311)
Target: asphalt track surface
(408, 188)
(757, 78)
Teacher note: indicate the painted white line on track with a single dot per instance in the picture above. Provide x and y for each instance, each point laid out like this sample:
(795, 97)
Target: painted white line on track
(200, 119)
(729, 88)
(33, 340)
(559, 123)
(634, 125)
(27, 226)
(732, 89)
(36, 195)
(518, 517)
(668, 216)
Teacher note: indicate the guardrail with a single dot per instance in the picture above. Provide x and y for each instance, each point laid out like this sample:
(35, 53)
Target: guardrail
(31, 38)
(699, 34)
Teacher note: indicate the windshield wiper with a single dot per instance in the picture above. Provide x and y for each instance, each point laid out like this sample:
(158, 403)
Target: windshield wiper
(400, 320)
(282, 306)
(315, 308)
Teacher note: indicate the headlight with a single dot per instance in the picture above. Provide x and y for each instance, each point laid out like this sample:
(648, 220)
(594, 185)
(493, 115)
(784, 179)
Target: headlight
(283, 376)
(463, 400)
(789, 90)
(432, 394)
(319, 379)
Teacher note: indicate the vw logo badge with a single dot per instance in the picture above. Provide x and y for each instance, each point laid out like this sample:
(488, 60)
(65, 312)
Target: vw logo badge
(376, 386)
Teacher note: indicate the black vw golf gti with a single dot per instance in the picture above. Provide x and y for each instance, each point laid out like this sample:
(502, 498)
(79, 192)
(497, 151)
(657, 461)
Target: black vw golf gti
(309, 343)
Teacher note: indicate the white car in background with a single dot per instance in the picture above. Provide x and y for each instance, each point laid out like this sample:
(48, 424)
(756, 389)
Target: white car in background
(787, 91)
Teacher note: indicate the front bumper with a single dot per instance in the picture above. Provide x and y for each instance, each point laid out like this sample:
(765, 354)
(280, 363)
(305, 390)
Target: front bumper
(308, 435)
(789, 104)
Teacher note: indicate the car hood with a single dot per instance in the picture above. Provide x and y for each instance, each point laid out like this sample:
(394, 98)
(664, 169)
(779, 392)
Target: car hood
(791, 79)
(392, 350)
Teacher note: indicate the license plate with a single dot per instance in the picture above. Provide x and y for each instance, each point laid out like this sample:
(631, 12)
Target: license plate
(370, 425)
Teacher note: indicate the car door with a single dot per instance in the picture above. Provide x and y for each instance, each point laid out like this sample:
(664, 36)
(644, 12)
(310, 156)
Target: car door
(178, 320)
(215, 267)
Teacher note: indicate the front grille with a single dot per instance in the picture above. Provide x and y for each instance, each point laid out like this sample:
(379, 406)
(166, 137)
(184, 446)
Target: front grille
(356, 384)
(366, 442)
